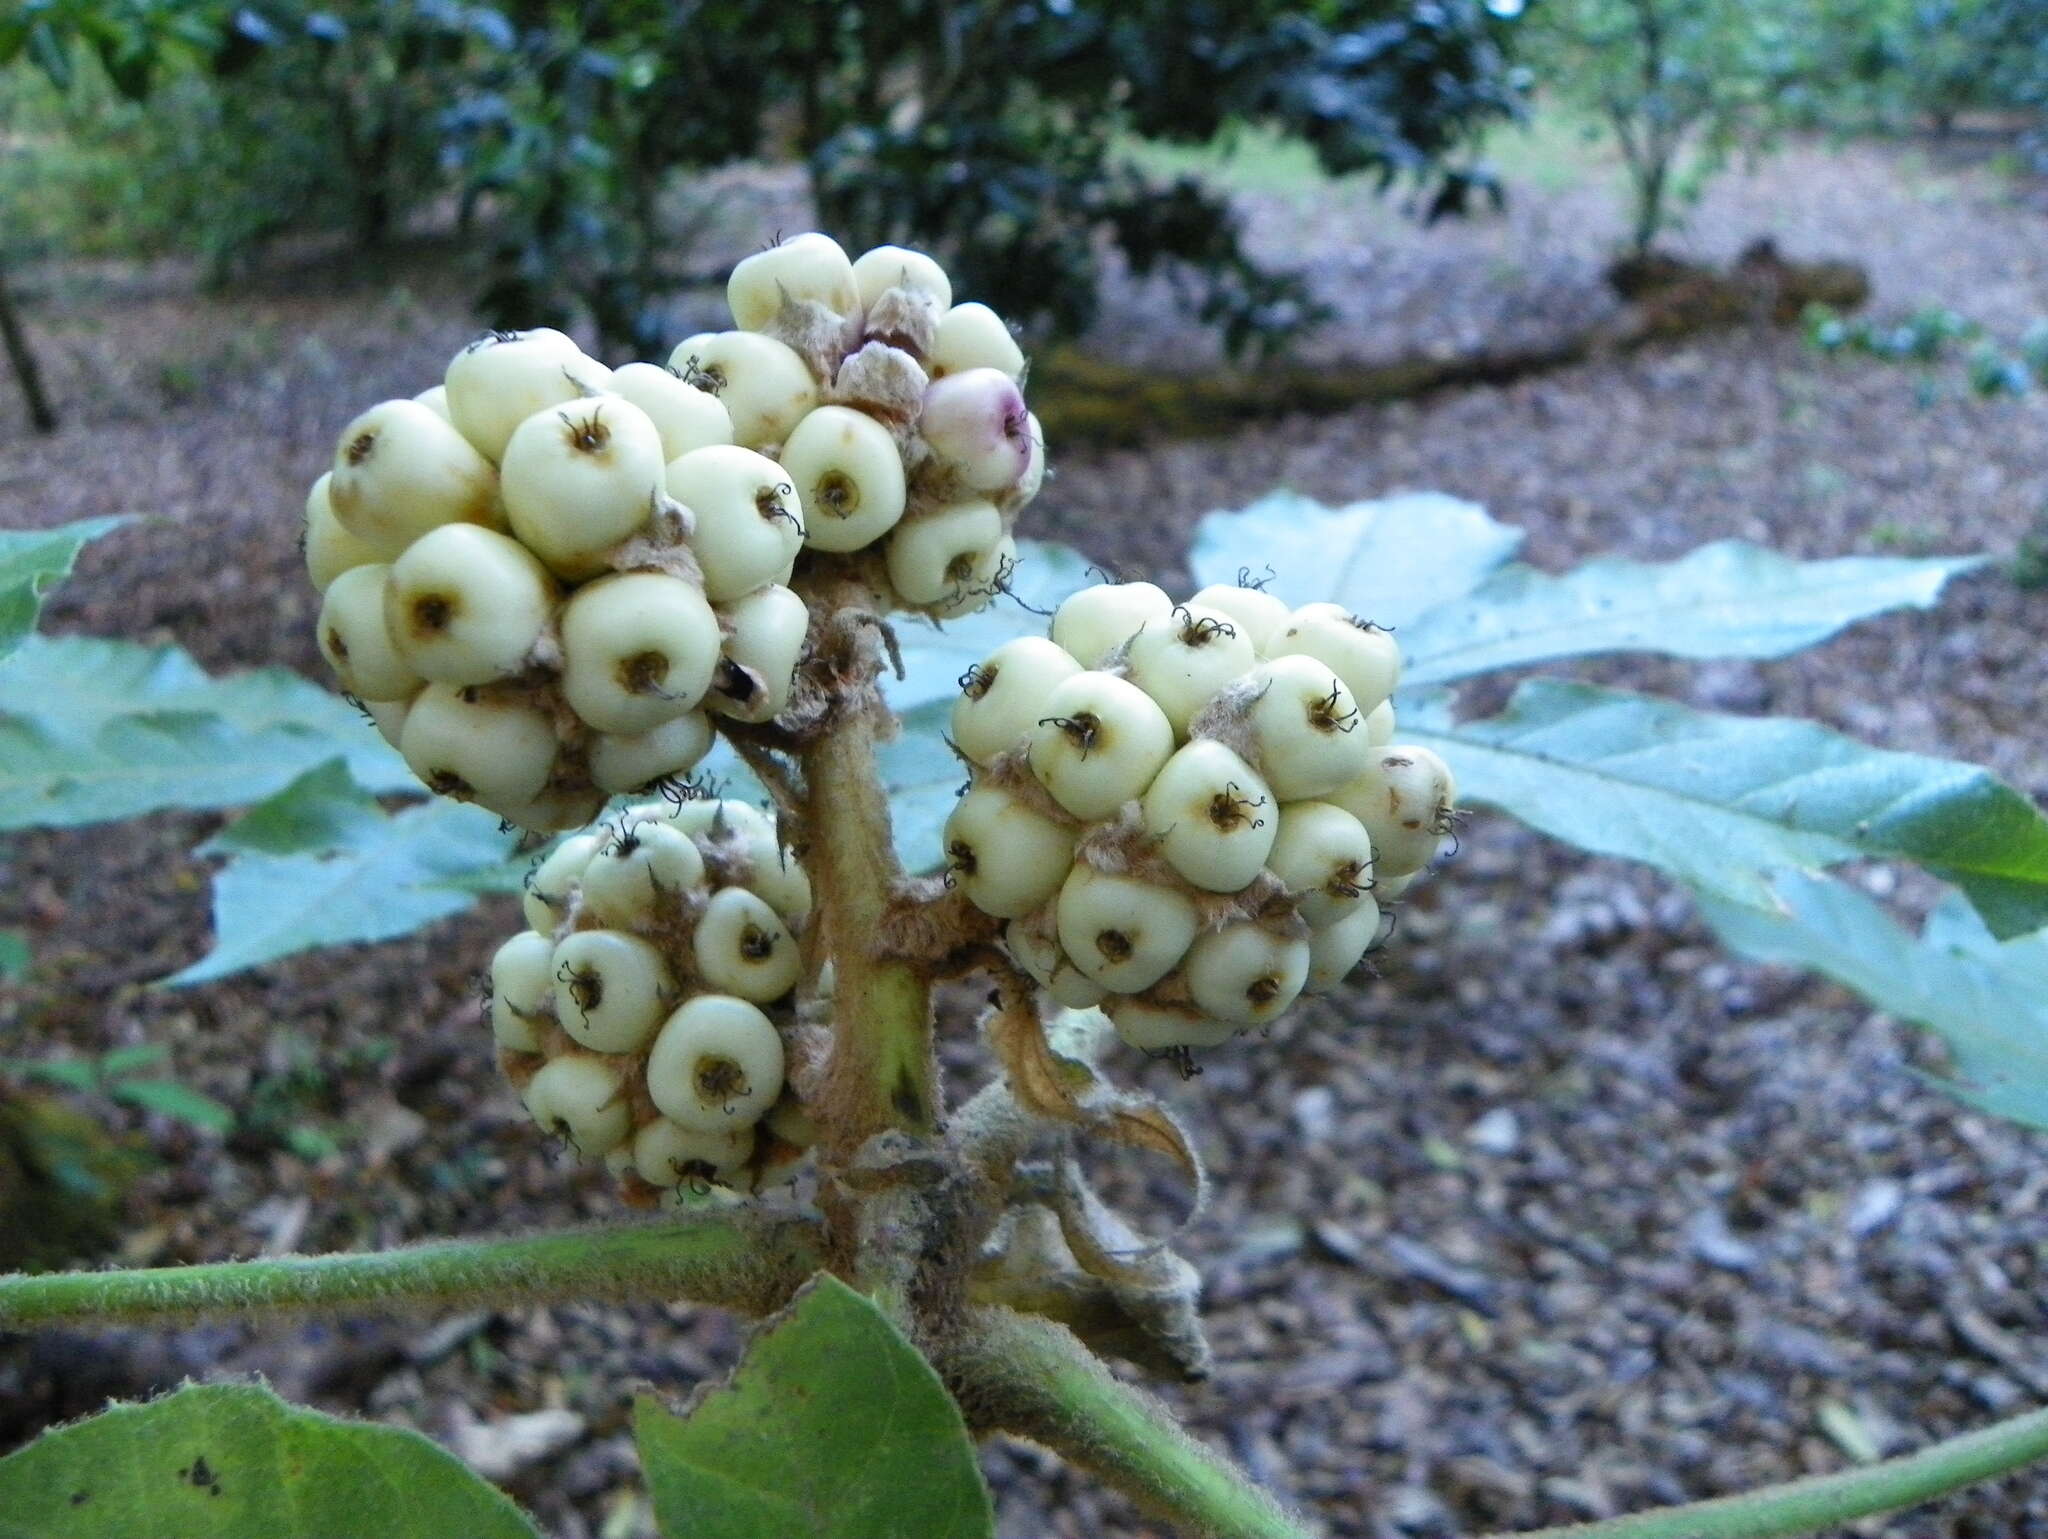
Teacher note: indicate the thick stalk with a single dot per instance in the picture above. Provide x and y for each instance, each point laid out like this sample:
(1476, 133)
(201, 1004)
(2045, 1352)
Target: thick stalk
(883, 1075)
(1823, 1503)
(42, 415)
(748, 1262)
(1032, 1379)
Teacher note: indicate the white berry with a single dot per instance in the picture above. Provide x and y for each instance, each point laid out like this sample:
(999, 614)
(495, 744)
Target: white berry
(331, 549)
(638, 649)
(743, 947)
(1404, 799)
(972, 336)
(686, 417)
(1306, 728)
(1183, 657)
(546, 899)
(1335, 949)
(666, 1153)
(500, 380)
(1324, 854)
(1156, 1028)
(1260, 615)
(804, 267)
(477, 748)
(1094, 622)
(765, 385)
(848, 474)
(1036, 948)
(1003, 696)
(611, 989)
(640, 873)
(765, 637)
(1007, 856)
(1099, 744)
(934, 558)
(1245, 974)
(1364, 656)
(750, 520)
(355, 641)
(633, 761)
(522, 986)
(898, 267)
(1124, 933)
(400, 470)
(466, 605)
(581, 477)
(1213, 816)
(717, 1065)
(581, 1098)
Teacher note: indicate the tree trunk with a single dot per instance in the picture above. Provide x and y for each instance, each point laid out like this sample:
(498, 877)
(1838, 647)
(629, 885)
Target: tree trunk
(41, 414)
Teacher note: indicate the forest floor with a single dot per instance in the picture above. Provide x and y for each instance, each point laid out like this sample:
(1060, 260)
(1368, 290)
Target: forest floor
(1563, 1214)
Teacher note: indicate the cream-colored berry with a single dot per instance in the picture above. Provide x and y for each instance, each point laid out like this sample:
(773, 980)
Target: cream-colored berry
(551, 884)
(581, 1099)
(972, 336)
(1035, 945)
(1099, 744)
(435, 399)
(1124, 933)
(611, 989)
(665, 1154)
(389, 715)
(1379, 725)
(1363, 655)
(581, 477)
(1258, 613)
(1335, 949)
(986, 577)
(501, 379)
(1305, 726)
(622, 762)
(1213, 816)
(640, 873)
(976, 426)
(466, 605)
(1007, 856)
(355, 641)
(809, 267)
(1033, 480)
(775, 875)
(638, 649)
(1157, 1028)
(750, 520)
(848, 473)
(474, 747)
(331, 549)
(765, 385)
(1183, 657)
(686, 417)
(1405, 799)
(1323, 854)
(1094, 622)
(892, 267)
(717, 1065)
(743, 947)
(1003, 696)
(764, 642)
(720, 821)
(522, 990)
(400, 470)
(1245, 974)
(934, 558)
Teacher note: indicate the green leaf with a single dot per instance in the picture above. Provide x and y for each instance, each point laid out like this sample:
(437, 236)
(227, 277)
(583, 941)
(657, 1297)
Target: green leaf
(171, 1099)
(1988, 1002)
(384, 876)
(70, 1073)
(232, 1461)
(127, 1060)
(1720, 801)
(832, 1427)
(33, 561)
(935, 655)
(15, 956)
(1728, 599)
(93, 730)
(319, 810)
(1387, 561)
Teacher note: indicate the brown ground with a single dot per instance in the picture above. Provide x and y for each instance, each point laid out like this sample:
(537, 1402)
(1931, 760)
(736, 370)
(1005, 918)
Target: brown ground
(1563, 1215)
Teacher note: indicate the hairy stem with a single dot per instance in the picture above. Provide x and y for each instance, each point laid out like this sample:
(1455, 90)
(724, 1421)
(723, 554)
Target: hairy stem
(1825, 1502)
(1032, 1379)
(751, 1262)
(883, 1075)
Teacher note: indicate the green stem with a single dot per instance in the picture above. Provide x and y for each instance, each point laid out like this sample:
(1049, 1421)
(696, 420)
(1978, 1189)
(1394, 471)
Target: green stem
(883, 1074)
(1828, 1501)
(748, 1262)
(1032, 1379)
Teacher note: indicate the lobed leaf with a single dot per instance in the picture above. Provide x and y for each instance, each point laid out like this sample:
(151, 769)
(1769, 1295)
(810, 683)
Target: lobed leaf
(232, 1461)
(1388, 560)
(94, 730)
(1728, 599)
(832, 1427)
(1723, 801)
(33, 561)
(379, 875)
(1988, 1002)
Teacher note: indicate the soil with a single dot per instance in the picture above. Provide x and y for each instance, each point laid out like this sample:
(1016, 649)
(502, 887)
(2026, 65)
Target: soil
(1563, 1214)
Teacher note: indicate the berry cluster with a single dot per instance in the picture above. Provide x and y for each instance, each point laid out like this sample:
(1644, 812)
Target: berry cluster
(1188, 813)
(644, 1015)
(544, 577)
(896, 413)
(540, 575)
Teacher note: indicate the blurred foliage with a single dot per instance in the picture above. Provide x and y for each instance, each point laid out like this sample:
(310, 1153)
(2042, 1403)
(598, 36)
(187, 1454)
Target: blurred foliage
(1682, 86)
(1933, 337)
(996, 133)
